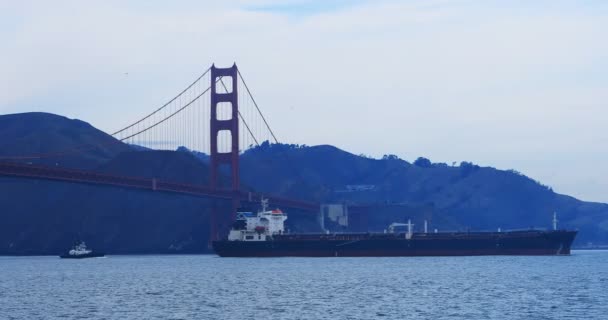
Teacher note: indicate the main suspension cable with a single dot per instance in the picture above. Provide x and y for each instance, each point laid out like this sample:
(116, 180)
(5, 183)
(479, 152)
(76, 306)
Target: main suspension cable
(166, 104)
(168, 117)
(256, 106)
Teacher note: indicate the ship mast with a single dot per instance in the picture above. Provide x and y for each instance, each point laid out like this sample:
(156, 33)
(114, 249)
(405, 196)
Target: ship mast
(554, 220)
(409, 229)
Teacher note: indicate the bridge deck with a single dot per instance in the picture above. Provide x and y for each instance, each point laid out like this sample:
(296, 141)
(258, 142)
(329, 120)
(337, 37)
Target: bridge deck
(89, 177)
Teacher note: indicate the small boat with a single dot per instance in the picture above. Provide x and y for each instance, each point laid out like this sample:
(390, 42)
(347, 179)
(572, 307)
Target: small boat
(80, 251)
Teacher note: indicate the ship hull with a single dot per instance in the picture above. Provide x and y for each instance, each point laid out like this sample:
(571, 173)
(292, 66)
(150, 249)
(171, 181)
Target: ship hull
(82, 256)
(397, 245)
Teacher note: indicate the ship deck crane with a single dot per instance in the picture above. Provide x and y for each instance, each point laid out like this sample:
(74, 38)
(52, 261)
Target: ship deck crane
(409, 225)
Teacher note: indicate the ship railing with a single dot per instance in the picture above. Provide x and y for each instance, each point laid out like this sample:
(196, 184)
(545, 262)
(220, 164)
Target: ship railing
(485, 230)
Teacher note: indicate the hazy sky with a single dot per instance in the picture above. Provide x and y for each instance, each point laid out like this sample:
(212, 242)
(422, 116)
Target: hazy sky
(509, 84)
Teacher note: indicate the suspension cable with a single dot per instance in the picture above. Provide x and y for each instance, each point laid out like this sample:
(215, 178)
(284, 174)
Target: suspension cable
(168, 117)
(83, 147)
(256, 106)
(166, 104)
(285, 154)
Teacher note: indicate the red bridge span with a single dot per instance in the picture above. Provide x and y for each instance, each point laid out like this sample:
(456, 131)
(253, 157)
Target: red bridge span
(19, 170)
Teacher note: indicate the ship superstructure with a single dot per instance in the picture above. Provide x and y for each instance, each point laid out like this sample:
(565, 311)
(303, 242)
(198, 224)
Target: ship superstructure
(260, 226)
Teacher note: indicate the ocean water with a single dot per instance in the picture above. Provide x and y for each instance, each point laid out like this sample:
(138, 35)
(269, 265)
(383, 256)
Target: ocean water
(209, 287)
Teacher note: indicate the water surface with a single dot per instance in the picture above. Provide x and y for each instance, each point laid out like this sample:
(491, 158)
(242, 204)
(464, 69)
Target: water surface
(209, 287)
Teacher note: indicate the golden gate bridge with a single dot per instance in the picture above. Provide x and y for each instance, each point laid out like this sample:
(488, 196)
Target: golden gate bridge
(215, 115)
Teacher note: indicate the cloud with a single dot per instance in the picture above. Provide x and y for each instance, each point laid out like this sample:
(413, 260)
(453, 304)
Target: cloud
(509, 84)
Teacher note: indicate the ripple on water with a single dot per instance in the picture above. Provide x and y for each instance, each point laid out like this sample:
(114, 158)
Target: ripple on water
(205, 287)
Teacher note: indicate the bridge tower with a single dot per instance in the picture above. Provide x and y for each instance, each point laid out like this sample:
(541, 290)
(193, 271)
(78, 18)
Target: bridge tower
(224, 79)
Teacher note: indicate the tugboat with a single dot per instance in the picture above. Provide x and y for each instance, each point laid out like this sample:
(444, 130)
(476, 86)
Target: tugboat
(263, 235)
(80, 251)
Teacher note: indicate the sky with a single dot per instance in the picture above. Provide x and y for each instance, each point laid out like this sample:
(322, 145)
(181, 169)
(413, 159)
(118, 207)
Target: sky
(510, 84)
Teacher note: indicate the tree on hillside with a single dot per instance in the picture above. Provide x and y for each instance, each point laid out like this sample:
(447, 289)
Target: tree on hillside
(467, 168)
(423, 162)
(390, 157)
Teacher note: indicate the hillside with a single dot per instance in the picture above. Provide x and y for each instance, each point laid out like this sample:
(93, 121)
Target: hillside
(55, 140)
(42, 217)
(464, 196)
(45, 217)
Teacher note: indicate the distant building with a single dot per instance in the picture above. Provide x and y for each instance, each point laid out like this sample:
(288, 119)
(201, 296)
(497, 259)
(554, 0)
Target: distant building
(337, 213)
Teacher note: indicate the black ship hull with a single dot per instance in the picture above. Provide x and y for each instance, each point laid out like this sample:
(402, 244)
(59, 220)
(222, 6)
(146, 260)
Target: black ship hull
(532, 242)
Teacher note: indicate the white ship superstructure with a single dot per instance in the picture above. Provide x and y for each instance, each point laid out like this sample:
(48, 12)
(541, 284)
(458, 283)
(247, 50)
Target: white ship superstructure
(259, 226)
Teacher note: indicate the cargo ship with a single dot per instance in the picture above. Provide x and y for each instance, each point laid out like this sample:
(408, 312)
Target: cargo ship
(262, 234)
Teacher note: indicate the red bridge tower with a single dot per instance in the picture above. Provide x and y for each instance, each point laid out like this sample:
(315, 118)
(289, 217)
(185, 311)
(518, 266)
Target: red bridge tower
(226, 80)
